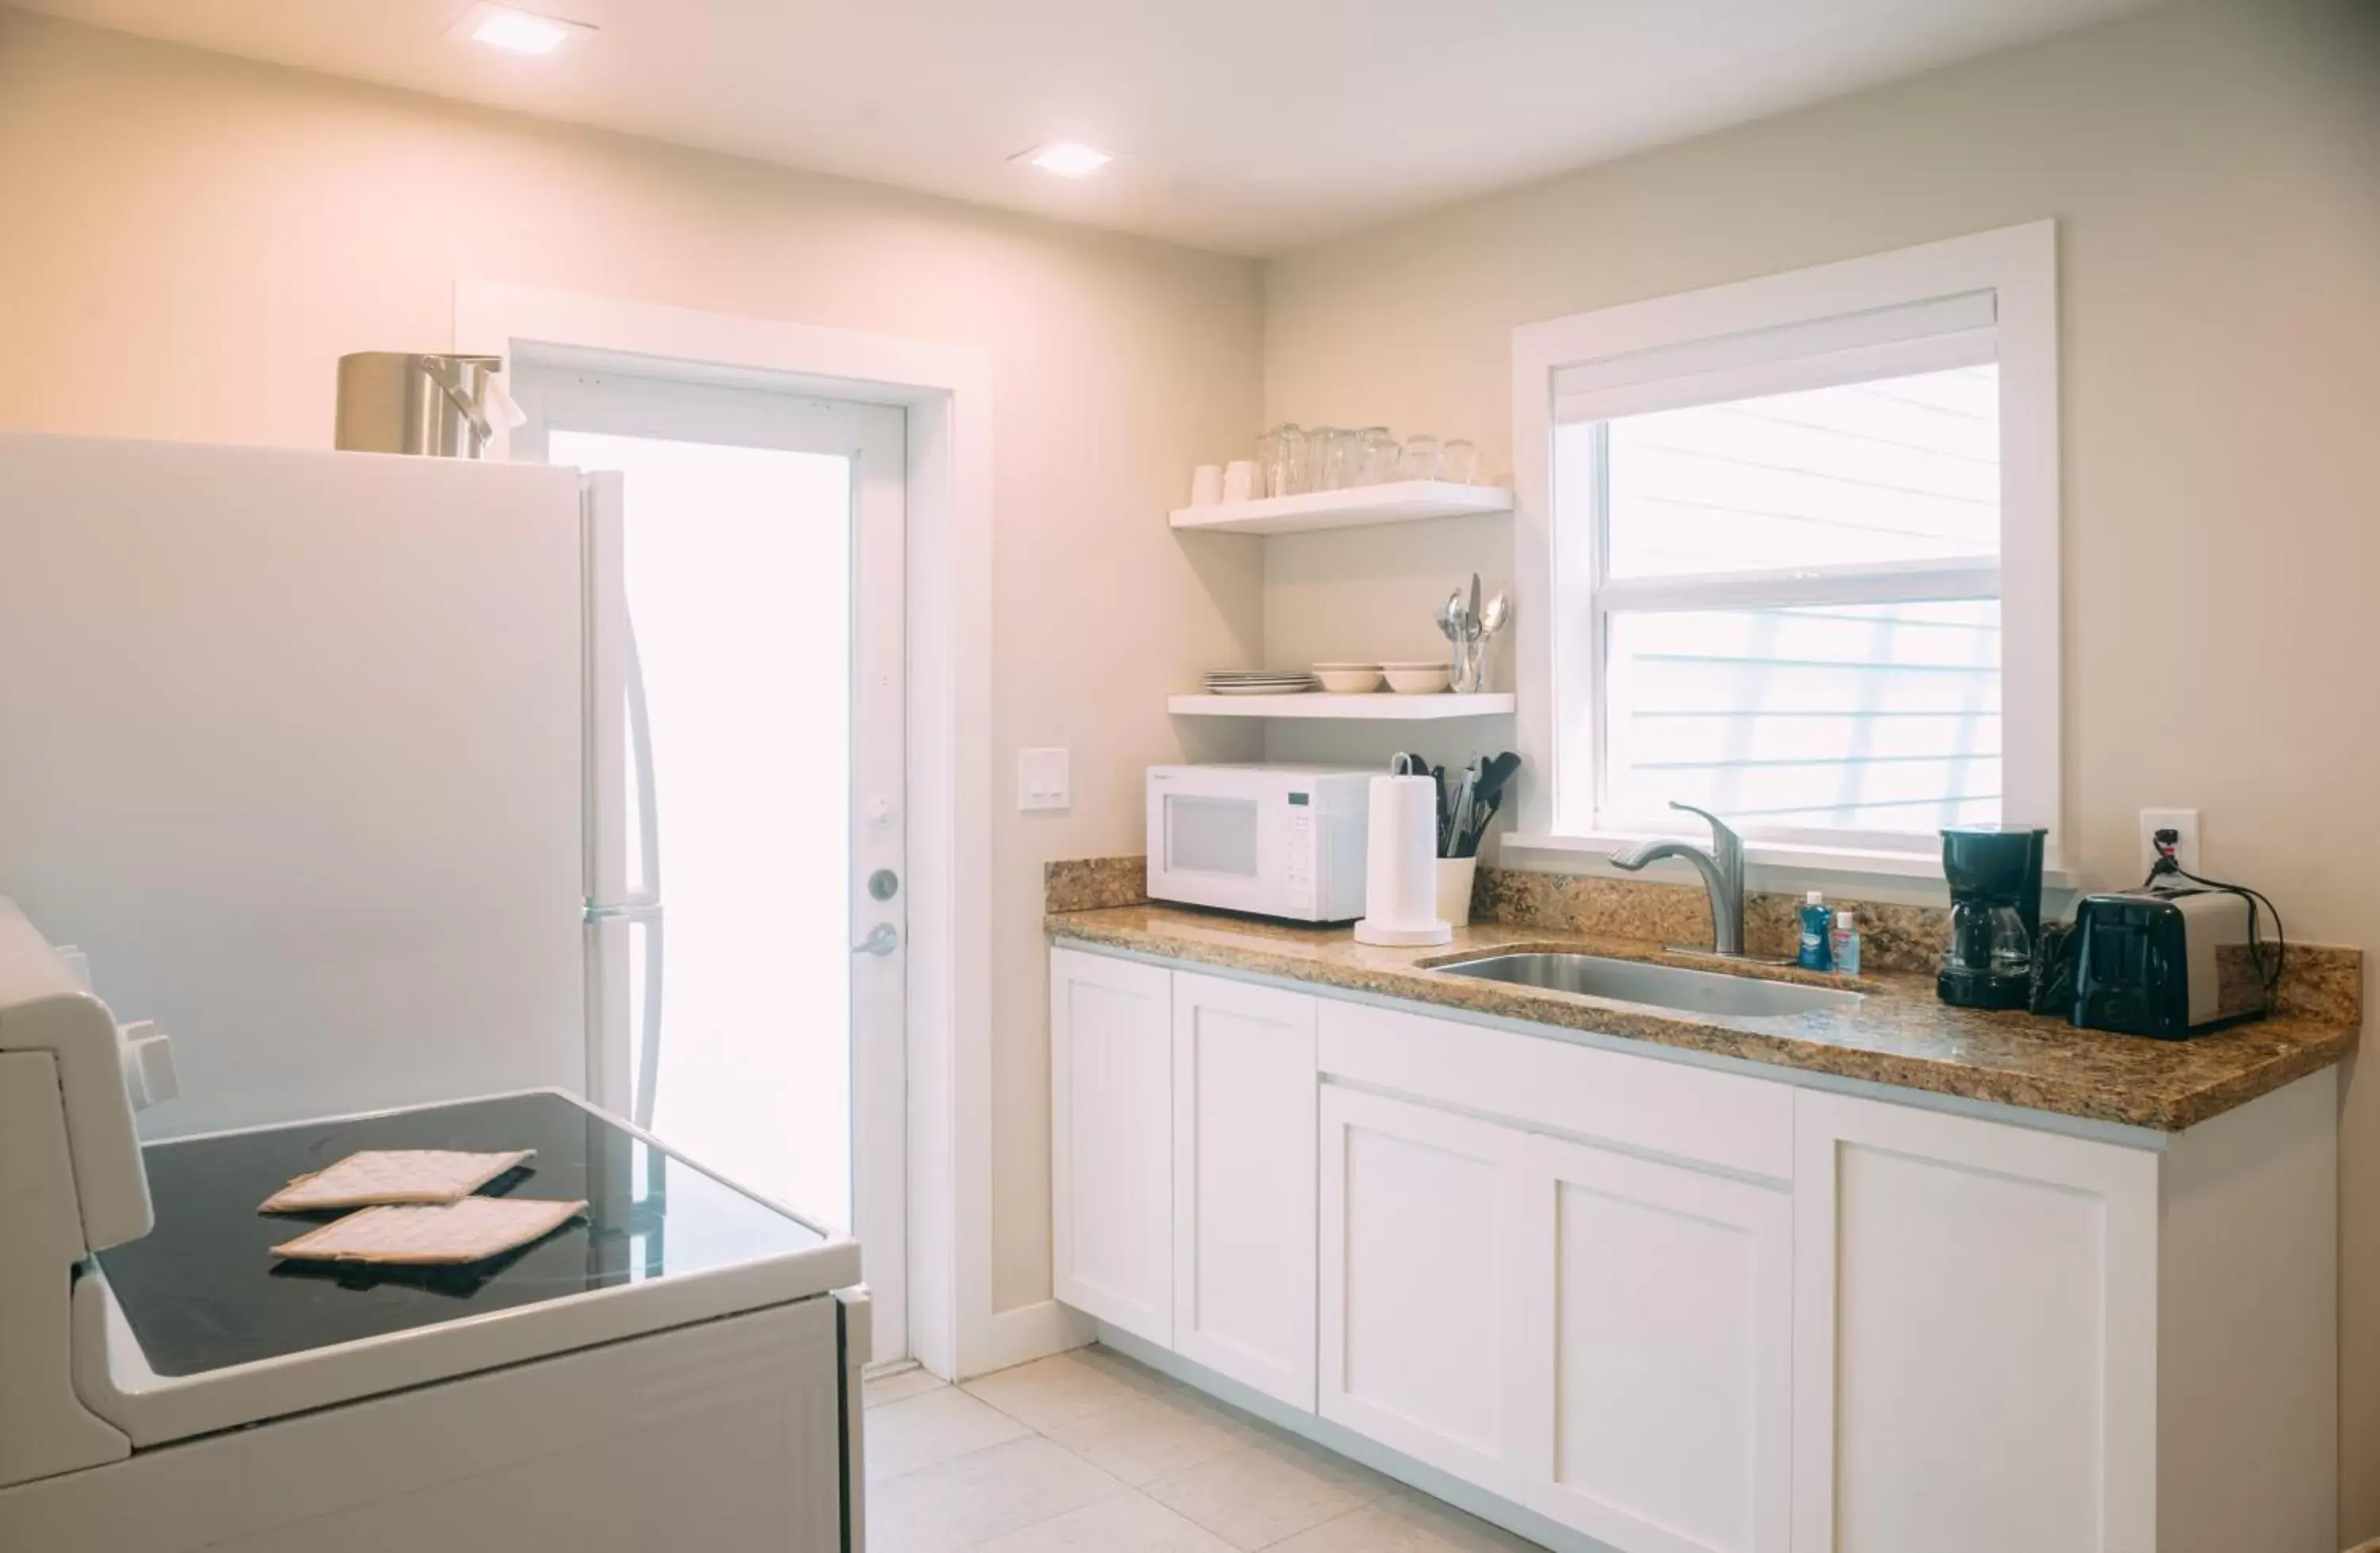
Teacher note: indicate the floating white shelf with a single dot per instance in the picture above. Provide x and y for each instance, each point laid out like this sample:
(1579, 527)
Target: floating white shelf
(1403, 500)
(1382, 706)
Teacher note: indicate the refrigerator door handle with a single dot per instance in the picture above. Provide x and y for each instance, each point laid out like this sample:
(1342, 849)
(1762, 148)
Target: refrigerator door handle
(641, 744)
(649, 845)
(649, 1051)
(645, 1041)
(622, 1043)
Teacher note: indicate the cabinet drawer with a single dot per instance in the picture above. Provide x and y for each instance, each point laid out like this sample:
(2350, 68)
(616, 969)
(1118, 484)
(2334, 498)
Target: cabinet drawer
(1694, 1113)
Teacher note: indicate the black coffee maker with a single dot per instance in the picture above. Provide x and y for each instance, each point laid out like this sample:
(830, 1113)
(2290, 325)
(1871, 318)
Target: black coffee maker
(1994, 877)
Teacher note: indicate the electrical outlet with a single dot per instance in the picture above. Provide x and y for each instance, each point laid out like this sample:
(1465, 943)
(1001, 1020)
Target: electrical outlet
(1042, 778)
(2184, 822)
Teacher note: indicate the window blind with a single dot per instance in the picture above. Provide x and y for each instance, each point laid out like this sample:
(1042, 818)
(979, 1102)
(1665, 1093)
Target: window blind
(1914, 338)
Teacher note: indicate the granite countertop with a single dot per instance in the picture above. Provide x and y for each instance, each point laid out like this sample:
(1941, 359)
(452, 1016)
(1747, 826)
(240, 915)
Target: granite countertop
(1900, 1033)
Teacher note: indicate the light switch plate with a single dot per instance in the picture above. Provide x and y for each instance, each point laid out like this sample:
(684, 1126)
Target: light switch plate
(2185, 852)
(1042, 778)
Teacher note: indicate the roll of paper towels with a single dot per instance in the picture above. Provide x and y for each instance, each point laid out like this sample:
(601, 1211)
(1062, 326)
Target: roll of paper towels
(1401, 865)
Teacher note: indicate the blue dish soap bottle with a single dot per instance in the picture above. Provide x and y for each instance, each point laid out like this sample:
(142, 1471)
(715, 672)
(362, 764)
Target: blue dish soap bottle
(1815, 922)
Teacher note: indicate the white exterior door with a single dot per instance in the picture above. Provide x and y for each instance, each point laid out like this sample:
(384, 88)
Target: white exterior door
(747, 717)
(1658, 1351)
(1111, 1140)
(1244, 1194)
(1975, 1331)
(1420, 1321)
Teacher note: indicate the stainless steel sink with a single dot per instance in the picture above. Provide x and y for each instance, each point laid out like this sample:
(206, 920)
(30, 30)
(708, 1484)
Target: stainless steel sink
(1669, 987)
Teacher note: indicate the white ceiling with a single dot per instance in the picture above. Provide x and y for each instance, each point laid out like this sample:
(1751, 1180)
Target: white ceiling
(1245, 126)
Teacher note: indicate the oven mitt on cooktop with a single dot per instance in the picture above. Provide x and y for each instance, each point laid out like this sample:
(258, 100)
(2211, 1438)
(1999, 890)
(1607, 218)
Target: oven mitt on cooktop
(448, 1235)
(393, 1175)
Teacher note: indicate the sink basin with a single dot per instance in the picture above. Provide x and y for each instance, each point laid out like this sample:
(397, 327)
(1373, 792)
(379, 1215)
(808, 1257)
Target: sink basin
(1669, 987)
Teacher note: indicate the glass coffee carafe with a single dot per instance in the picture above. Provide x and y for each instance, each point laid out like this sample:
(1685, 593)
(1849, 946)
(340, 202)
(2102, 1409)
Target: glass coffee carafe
(1989, 949)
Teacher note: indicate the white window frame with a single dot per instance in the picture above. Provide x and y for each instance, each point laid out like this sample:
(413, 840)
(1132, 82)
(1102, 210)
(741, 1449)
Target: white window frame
(1723, 343)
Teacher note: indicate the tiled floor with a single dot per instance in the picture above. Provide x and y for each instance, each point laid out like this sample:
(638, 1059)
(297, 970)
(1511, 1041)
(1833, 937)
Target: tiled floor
(1090, 1452)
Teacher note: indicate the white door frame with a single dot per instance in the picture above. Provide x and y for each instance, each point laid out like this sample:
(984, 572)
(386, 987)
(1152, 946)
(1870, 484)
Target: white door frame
(946, 390)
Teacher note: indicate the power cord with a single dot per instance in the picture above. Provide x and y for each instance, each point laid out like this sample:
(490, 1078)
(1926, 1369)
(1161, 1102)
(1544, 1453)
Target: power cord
(2168, 866)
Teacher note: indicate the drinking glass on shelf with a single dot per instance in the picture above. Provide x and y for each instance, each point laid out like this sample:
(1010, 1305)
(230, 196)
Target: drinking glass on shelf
(1459, 461)
(1283, 461)
(1334, 455)
(1421, 459)
(1379, 454)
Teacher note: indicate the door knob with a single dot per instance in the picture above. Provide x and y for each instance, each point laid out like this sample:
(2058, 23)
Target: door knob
(882, 939)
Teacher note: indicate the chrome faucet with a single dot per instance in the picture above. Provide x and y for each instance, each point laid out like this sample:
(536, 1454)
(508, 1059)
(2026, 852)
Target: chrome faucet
(1722, 871)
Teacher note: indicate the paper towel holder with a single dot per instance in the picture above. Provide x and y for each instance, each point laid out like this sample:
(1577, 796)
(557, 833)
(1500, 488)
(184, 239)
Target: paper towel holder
(1400, 861)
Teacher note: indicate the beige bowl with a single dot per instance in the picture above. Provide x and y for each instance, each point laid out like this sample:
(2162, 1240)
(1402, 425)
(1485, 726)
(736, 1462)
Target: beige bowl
(1348, 679)
(1418, 679)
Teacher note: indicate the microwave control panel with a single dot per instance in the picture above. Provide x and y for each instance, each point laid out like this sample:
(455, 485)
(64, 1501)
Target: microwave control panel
(1300, 863)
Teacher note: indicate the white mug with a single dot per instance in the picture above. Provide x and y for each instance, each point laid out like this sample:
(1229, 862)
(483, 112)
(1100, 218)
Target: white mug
(1206, 485)
(1240, 479)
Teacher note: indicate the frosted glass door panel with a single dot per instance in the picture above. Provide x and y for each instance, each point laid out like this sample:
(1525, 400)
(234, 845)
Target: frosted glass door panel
(738, 563)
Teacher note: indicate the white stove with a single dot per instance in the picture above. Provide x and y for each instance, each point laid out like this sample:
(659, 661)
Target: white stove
(676, 1369)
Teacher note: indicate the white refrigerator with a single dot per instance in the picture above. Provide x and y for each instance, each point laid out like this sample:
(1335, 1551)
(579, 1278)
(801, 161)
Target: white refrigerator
(325, 760)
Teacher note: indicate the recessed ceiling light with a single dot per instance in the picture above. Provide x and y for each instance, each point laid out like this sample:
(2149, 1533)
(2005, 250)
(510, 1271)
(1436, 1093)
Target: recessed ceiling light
(1066, 159)
(516, 31)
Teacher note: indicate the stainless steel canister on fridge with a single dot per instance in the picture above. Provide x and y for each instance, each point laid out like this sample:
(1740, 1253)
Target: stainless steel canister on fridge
(444, 406)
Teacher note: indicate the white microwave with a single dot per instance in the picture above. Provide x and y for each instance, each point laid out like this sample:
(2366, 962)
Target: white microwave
(1274, 840)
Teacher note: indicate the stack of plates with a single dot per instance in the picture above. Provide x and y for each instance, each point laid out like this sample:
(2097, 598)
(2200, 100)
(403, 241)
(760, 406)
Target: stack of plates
(1257, 682)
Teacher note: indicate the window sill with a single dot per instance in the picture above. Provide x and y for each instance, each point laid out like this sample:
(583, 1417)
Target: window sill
(1780, 861)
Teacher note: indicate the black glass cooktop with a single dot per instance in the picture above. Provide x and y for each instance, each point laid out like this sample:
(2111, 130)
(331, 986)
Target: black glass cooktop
(204, 1291)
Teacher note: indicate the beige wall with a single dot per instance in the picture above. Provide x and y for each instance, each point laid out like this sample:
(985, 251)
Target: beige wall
(2216, 174)
(191, 242)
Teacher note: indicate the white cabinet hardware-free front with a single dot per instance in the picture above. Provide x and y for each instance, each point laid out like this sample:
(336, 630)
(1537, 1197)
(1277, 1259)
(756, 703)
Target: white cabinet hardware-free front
(1420, 1315)
(1111, 1140)
(1243, 1198)
(1182, 1164)
(1668, 1307)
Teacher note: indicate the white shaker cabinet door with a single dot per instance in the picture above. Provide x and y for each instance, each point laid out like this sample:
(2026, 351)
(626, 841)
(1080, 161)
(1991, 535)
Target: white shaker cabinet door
(1656, 1351)
(1243, 1193)
(1420, 1320)
(1111, 1140)
(1976, 1336)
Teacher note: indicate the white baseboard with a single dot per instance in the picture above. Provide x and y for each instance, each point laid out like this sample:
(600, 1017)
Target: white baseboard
(1513, 1518)
(1034, 1332)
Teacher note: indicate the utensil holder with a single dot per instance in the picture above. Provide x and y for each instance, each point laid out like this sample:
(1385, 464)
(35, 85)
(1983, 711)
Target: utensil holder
(1470, 667)
(1454, 881)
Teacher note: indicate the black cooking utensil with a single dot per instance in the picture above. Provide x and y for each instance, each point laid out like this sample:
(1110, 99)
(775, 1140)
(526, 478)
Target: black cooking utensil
(1496, 774)
(1486, 797)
